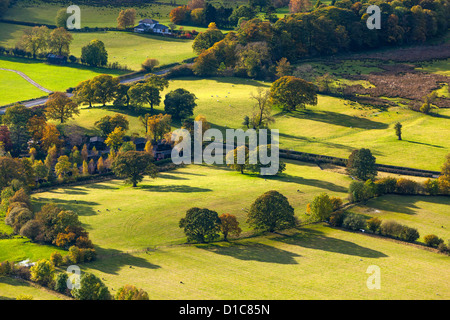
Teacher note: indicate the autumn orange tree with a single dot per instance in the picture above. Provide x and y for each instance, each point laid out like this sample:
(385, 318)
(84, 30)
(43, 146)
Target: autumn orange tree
(229, 225)
(126, 18)
(60, 107)
(179, 14)
(159, 125)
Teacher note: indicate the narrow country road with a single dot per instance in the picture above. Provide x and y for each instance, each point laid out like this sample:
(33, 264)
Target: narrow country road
(23, 75)
(40, 101)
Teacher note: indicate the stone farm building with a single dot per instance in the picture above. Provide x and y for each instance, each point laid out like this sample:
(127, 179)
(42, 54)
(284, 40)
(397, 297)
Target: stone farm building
(153, 26)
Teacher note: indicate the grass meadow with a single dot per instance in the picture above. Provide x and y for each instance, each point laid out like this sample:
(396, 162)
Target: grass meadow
(334, 127)
(312, 262)
(52, 77)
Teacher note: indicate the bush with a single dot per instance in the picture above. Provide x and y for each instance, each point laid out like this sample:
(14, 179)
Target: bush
(354, 222)
(61, 282)
(385, 185)
(409, 234)
(374, 224)
(396, 230)
(359, 191)
(56, 258)
(336, 202)
(432, 240)
(391, 228)
(406, 186)
(336, 218)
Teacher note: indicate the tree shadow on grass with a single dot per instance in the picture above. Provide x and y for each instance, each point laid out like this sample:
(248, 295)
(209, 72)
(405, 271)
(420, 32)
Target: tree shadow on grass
(172, 188)
(338, 119)
(317, 240)
(80, 207)
(111, 261)
(251, 251)
(309, 182)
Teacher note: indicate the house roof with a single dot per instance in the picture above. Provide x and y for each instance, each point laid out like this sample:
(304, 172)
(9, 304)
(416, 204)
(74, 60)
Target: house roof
(149, 21)
(160, 26)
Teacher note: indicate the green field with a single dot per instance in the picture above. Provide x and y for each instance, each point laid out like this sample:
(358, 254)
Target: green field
(333, 127)
(131, 49)
(313, 262)
(429, 215)
(10, 82)
(55, 78)
(11, 288)
(122, 218)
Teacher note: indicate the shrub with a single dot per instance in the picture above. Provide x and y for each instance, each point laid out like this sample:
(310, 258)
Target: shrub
(431, 186)
(391, 228)
(336, 202)
(385, 185)
(406, 186)
(321, 207)
(336, 218)
(409, 234)
(130, 292)
(374, 224)
(432, 240)
(359, 191)
(354, 221)
(56, 258)
(443, 248)
(61, 282)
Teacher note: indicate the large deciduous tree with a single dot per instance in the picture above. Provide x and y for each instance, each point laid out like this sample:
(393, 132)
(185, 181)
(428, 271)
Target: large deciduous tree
(126, 18)
(180, 103)
(60, 107)
(94, 54)
(361, 164)
(134, 165)
(59, 41)
(291, 93)
(200, 225)
(270, 212)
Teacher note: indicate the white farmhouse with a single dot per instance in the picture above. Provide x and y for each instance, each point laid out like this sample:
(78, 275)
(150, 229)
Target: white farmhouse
(150, 25)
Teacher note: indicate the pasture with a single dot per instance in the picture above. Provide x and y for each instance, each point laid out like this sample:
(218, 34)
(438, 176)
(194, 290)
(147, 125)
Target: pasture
(139, 242)
(334, 127)
(52, 77)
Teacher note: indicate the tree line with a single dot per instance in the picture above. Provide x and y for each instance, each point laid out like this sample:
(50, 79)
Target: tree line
(258, 45)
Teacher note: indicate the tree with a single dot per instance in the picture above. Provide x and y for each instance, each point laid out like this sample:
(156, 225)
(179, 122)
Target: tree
(283, 68)
(61, 18)
(63, 166)
(262, 111)
(59, 41)
(159, 125)
(238, 159)
(229, 225)
(296, 6)
(130, 292)
(94, 54)
(196, 4)
(180, 103)
(149, 64)
(291, 93)
(205, 40)
(428, 103)
(134, 165)
(115, 138)
(108, 124)
(180, 14)
(91, 288)
(84, 93)
(35, 40)
(51, 137)
(270, 212)
(398, 130)
(321, 207)
(200, 225)
(60, 107)
(126, 18)
(105, 88)
(42, 272)
(361, 164)
(61, 282)
(142, 93)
